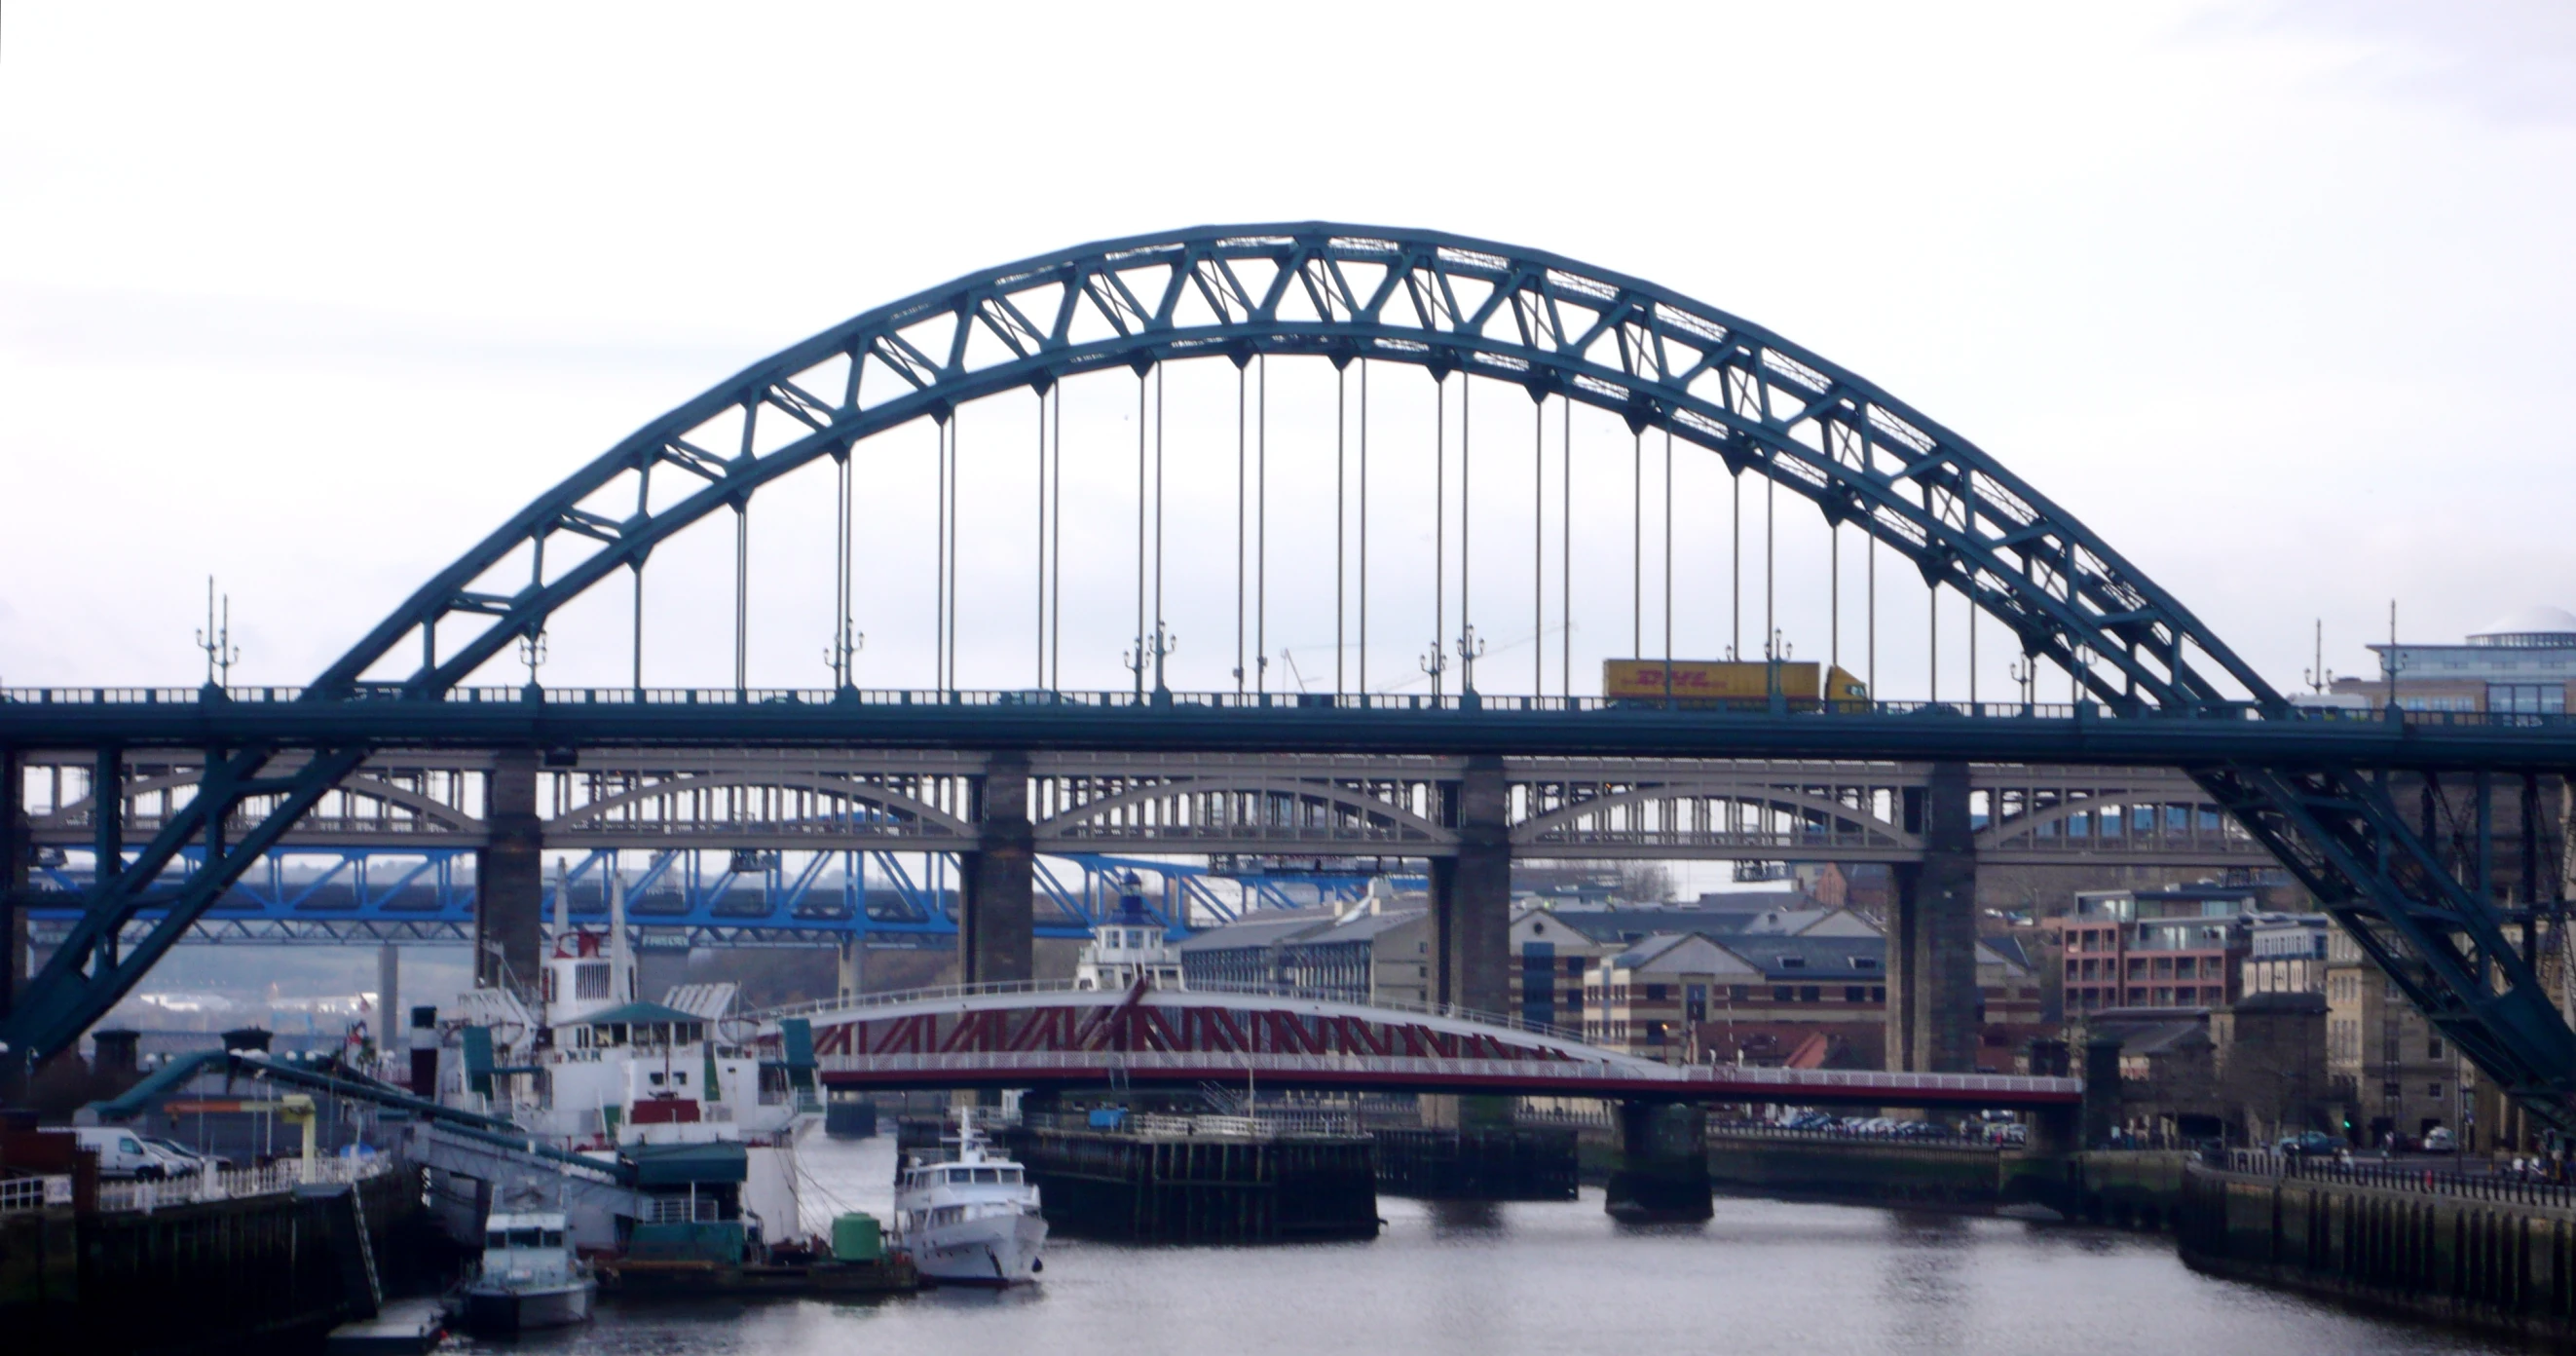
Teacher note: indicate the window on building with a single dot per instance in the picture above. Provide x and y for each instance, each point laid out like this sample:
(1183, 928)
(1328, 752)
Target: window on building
(1654, 993)
(1877, 993)
(2527, 699)
(2433, 1090)
(1780, 993)
(2433, 1048)
(1654, 1033)
(1852, 993)
(1810, 993)
(1793, 962)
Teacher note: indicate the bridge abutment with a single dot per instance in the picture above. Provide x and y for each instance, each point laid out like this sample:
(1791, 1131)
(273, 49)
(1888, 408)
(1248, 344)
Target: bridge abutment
(997, 913)
(1932, 998)
(509, 876)
(1471, 893)
(1663, 1164)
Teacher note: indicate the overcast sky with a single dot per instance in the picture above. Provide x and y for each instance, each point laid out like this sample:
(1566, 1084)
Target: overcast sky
(2275, 297)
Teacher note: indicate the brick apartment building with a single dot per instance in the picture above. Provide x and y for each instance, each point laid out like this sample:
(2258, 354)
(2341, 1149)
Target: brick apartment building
(2179, 947)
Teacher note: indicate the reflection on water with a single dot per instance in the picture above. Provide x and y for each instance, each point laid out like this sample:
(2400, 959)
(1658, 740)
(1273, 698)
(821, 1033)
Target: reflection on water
(1555, 1278)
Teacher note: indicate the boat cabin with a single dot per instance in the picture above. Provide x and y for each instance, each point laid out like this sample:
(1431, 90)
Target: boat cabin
(527, 1247)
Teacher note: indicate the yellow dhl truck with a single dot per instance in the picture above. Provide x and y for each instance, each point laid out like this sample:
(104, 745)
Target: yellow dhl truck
(1718, 682)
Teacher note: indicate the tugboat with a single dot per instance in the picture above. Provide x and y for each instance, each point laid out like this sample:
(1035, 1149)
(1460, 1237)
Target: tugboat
(529, 1277)
(972, 1220)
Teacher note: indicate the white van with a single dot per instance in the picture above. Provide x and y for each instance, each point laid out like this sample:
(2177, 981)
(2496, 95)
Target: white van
(122, 1154)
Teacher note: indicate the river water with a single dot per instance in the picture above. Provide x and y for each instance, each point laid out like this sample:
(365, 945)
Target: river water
(1546, 1280)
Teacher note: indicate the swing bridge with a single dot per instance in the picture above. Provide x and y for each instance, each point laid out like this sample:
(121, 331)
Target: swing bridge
(1007, 693)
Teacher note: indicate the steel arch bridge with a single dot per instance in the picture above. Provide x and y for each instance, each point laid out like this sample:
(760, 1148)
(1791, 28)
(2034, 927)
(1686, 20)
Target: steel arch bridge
(2156, 687)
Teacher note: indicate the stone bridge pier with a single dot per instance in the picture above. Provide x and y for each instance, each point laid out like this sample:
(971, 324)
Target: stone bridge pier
(1471, 893)
(1932, 999)
(509, 877)
(997, 908)
(1662, 1172)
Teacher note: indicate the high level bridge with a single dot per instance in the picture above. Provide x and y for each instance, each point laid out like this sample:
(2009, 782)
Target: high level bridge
(1352, 452)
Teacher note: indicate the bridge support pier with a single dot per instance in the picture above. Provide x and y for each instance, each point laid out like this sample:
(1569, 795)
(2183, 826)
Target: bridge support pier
(1471, 893)
(1932, 999)
(2100, 1114)
(850, 969)
(1662, 1175)
(997, 913)
(509, 877)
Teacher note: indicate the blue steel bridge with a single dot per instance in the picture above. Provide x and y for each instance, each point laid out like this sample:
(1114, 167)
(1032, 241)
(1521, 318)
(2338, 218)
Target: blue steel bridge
(1481, 469)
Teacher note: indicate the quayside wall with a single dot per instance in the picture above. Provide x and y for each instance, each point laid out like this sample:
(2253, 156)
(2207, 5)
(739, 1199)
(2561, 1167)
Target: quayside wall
(2496, 1254)
(266, 1272)
(1856, 1167)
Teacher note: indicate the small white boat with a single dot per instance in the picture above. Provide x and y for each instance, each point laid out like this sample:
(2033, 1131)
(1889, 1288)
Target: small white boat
(972, 1220)
(530, 1277)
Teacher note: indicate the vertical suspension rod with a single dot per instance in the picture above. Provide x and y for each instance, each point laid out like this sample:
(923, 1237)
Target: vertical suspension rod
(1261, 526)
(1241, 491)
(1055, 543)
(741, 595)
(1735, 564)
(1439, 526)
(1139, 656)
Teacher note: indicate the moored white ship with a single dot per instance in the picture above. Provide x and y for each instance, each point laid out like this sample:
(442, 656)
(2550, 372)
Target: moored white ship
(971, 1220)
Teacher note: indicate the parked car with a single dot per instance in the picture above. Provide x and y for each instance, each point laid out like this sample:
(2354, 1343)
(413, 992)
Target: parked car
(2440, 1140)
(1812, 1120)
(179, 1158)
(122, 1154)
(2308, 1144)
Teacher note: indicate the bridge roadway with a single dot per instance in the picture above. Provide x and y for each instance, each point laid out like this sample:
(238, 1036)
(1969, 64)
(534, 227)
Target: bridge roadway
(1273, 723)
(828, 800)
(1058, 1037)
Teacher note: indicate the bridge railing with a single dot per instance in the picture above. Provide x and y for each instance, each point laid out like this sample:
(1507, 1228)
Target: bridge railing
(2502, 1187)
(862, 1003)
(1344, 701)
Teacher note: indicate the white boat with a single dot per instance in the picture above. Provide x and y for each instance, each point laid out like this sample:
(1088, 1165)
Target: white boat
(530, 1277)
(971, 1220)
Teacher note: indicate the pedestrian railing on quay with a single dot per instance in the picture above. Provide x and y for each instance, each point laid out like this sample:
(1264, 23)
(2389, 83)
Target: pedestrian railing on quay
(1935, 1137)
(2507, 1188)
(35, 1193)
(269, 1180)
